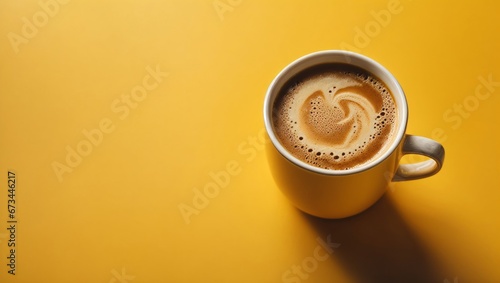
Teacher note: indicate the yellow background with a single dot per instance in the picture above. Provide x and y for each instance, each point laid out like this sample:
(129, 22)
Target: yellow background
(116, 217)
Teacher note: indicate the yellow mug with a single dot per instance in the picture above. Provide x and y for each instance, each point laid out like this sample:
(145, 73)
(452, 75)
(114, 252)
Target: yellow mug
(329, 193)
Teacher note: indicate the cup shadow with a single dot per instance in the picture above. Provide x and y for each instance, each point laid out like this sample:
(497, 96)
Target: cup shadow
(378, 246)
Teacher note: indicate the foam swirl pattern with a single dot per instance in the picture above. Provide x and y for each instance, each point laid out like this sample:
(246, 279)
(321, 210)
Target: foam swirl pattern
(335, 119)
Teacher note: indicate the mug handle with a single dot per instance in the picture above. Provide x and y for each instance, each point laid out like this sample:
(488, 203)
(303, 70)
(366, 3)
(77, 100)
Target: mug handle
(422, 146)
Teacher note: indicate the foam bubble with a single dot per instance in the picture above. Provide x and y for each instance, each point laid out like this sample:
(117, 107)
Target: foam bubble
(336, 112)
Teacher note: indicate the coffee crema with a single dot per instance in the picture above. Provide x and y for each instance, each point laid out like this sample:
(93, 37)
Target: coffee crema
(335, 116)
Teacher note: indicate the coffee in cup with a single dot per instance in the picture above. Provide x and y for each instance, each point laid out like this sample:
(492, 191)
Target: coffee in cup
(337, 124)
(335, 116)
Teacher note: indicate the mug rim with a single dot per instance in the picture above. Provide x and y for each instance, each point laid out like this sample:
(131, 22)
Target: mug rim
(348, 57)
